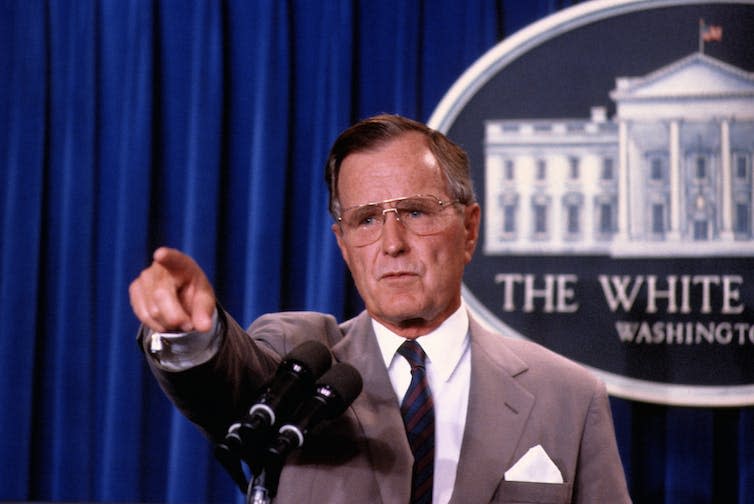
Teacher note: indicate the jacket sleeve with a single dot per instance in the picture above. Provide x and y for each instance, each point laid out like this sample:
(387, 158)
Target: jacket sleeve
(217, 393)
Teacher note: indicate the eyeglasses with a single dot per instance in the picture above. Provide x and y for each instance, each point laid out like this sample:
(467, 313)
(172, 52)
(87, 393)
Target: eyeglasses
(422, 214)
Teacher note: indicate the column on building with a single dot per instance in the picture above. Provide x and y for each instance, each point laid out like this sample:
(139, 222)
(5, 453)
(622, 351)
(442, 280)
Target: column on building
(726, 233)
(623, 233)
(492, 222)
(590, 185)
(676, 207)
(525, 184)
(557, 176)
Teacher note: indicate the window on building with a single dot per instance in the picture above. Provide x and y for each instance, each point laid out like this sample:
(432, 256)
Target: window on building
(574, 168)
(573, 202)
(741, 167)
(605, 218)
(656, 169)
(658, 218)
(607, 169)
(541, 169)
(510, 172)
(700, 171)
(509, 219)
(508, 204)
(572, 219)
(540, 218)
(700, 230)
(742, 225)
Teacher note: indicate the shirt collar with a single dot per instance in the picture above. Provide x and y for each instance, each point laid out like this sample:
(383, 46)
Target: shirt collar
(444, 346)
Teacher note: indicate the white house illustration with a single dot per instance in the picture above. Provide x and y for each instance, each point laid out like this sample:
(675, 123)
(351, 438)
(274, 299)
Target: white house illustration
(669, 175)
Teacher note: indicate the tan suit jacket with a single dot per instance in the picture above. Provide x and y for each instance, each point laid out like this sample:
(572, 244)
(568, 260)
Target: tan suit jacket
(521, 395)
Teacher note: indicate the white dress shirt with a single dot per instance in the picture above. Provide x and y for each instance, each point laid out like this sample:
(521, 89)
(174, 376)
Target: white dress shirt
(449, 373)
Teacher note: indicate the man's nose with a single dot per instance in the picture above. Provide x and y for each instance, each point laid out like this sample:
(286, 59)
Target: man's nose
(393, 232)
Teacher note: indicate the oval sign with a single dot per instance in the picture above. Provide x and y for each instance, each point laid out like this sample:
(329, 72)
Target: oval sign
(612, 146)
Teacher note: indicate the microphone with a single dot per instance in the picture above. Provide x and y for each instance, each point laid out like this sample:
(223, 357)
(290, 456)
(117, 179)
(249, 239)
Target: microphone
(293, 380)
(334, 392)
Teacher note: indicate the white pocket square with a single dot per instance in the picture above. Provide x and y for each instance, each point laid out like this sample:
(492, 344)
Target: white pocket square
(534, 467)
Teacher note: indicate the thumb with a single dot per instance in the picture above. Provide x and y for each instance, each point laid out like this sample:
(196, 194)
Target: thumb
(201, 310)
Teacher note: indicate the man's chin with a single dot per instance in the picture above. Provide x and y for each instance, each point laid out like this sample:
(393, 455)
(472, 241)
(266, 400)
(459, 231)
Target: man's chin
(403, 321)
(399, 309)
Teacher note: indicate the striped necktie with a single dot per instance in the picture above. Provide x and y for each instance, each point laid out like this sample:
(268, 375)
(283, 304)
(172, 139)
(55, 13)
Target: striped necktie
(419, 416)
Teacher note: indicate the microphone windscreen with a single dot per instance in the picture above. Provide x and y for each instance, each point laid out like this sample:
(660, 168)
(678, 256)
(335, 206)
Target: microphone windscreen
(345, 381)
(313, 355)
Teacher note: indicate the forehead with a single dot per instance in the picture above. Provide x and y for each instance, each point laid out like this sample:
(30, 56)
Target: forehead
(400, 167)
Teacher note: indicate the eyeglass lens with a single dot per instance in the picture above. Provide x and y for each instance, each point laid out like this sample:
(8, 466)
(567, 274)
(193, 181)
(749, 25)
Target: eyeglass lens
(420, 215)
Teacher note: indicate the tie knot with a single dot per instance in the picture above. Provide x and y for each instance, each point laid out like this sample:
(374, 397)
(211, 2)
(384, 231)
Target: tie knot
(413, 353)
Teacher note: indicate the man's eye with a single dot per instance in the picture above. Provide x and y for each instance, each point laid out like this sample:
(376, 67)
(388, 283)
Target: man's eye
(416, 211)
(366, 217)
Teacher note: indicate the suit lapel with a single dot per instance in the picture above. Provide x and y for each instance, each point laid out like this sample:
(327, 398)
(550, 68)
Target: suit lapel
(498, 409)
(377, 411)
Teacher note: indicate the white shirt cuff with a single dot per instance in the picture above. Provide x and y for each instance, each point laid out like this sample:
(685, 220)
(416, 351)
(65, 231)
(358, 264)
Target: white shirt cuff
(181, 351)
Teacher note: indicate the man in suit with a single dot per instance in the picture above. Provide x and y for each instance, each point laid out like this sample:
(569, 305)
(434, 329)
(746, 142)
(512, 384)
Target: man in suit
(512, 421)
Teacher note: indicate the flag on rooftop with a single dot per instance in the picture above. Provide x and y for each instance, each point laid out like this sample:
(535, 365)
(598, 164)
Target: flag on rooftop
(709, 33)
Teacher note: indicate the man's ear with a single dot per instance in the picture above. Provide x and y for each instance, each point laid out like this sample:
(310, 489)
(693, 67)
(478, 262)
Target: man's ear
(472, 218)
(338, 232)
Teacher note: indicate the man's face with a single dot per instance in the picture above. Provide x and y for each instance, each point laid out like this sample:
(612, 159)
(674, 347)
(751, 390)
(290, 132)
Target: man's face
(410, 283)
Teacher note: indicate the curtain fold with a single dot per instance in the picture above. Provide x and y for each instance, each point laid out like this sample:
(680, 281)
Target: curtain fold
(125, 109)
(320, 110)
(64, 383)
(255, 155)
(204, 125)
(24, 108)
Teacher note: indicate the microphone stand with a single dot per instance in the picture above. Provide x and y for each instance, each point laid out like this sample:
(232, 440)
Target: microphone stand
(245, 445)
(263, 487)
(257, 492)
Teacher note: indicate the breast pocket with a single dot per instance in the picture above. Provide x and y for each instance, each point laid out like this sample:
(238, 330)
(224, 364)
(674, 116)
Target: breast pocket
(519, 492)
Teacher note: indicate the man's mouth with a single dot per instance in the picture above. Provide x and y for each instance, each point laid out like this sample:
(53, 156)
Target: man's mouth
(397, 274)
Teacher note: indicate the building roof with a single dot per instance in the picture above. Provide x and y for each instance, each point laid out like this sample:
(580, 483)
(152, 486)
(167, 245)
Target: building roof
(695, 76)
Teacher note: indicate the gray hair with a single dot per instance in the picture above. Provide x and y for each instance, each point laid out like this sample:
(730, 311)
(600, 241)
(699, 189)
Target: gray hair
(375, 131)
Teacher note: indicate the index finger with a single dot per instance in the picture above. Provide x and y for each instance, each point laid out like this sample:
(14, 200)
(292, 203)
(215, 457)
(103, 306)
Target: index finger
(173, 260)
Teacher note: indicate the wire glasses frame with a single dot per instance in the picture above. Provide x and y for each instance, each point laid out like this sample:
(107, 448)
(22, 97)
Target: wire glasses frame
(422, 214)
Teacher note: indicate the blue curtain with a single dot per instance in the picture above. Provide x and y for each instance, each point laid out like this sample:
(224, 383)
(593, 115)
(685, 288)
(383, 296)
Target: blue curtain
(204, 125)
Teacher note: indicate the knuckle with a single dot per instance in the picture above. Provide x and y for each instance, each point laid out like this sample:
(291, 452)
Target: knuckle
(154, 311)
(162, 293)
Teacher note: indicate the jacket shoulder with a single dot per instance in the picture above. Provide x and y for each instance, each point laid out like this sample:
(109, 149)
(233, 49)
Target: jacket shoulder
(535, 365)
(282, 331)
